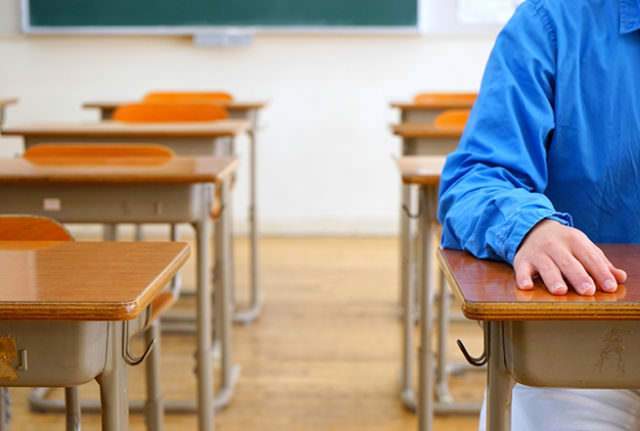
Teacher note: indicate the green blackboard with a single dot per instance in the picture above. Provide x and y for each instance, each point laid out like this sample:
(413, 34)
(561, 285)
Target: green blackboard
(74, 15)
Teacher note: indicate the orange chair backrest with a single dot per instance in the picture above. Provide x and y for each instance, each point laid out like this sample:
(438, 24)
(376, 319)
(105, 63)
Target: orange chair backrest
(32, 228)
(452, 119)
(98, 154)
(187, 97)
(435, 98)
(169, 112)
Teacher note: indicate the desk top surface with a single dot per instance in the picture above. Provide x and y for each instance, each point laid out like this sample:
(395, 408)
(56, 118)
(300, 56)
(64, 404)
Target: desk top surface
(488, 291)
(84, 280)
(4, 101)
(175, 170)
(421, 170)
(240, 105)
(440, 105)
(419, 130)
(116, 129)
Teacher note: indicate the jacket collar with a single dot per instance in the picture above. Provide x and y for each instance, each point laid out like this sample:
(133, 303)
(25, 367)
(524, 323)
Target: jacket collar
(629, 16)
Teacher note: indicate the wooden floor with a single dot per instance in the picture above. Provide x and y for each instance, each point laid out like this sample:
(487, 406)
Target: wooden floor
(324, 356)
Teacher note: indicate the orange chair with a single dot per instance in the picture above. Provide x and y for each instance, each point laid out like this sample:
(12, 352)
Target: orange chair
(220, 97)
(452, 119)
(169, 112)
(94, 151)
(35, 228)
(62, 153)
(445, 98)
(32, 228)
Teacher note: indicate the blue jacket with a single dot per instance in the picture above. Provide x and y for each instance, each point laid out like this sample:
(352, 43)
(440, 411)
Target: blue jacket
(555, 132)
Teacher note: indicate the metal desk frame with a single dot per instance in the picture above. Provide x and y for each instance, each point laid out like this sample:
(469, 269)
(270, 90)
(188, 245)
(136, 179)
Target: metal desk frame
(433, 374)
(416, 255)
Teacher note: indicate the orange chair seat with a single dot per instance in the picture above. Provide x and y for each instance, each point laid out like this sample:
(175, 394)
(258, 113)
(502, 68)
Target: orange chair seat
(452, 119)
(162, 303)
(169, 113)
(98, 154)
(187, 97)
(435, 98)
(32, 228)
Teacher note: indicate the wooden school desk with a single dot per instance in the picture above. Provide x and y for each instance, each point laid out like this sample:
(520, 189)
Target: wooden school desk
(3, 105)
(174, 190)
(250, 111)
(426, 113)
(67, 310)
(188, 139)
(423, 172)
(423, 140)
(537, 339)
(416, 140)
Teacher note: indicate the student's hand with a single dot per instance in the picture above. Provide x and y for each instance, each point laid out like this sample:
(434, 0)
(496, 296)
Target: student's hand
(562, 255)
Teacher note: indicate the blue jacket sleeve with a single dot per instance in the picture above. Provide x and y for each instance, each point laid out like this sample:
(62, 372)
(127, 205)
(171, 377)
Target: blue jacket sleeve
(492, 186)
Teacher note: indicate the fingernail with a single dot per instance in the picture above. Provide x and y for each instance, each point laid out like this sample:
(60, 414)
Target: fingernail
(588, 288)
(610, 285)
(559, 289)
(525, 284)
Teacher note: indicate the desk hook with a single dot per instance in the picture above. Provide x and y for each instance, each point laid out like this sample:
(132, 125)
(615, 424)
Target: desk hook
(411, 215)
(477, 362)
(126, 355)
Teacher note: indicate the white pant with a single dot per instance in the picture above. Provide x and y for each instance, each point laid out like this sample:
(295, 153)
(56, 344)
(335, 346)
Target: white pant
(545, 409)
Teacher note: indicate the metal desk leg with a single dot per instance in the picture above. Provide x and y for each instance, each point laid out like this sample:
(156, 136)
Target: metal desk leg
(499, 381)
(138, 234)
(425, 380)
(176, 283)
(5, 402)
(113, 383)
(408, 301)
(154, 407)
(109, 232)
(224, 306)
(72, 403)
(442, 377)
(249, 314)
(204, 369)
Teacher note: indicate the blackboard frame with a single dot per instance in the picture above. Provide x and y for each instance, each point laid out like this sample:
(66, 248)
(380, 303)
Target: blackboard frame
(27, 28)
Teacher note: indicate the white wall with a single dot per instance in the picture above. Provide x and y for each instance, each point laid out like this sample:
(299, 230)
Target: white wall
(325, 150)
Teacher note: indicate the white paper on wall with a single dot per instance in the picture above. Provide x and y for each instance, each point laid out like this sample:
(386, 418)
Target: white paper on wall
(486, 11)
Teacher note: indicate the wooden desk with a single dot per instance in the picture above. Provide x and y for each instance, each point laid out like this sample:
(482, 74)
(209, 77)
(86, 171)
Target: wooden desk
(423, 173)
(425, 139)
(3, 105)
(417, 140)
(177, 190)
(594, 341)
(244, 110)
(67, 303)
(412, 112)
(188, 139)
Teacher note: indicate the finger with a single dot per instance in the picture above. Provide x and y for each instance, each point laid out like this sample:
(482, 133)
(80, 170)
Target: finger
(573, 271)
(550, 275)
(524, 274)
(597, 266)
(619, 274)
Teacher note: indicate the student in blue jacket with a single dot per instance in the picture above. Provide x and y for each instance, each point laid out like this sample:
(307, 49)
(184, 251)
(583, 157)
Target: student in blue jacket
(549, 164)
